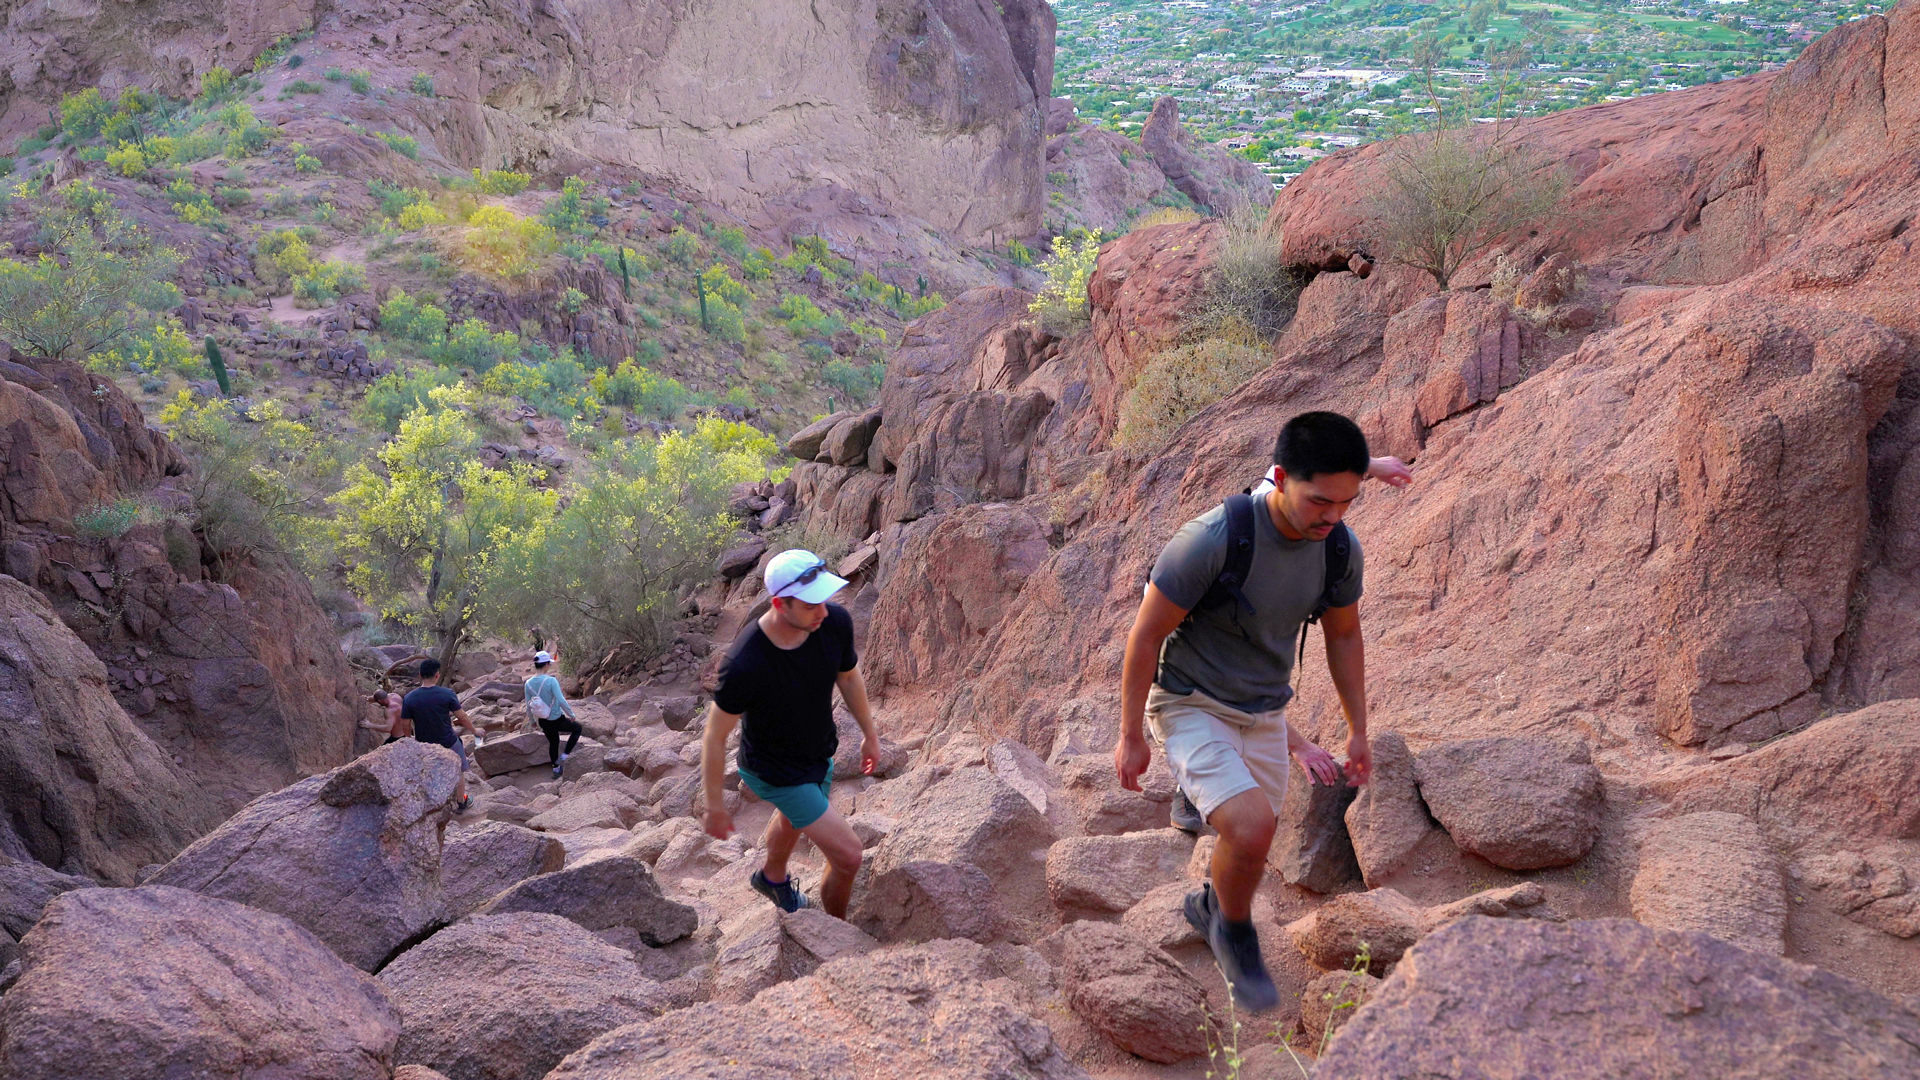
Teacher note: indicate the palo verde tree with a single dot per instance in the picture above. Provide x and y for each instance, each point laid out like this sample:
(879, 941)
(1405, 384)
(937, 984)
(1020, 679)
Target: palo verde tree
(417, 531)
(1455, 190)
(94, 277)
(612, 564)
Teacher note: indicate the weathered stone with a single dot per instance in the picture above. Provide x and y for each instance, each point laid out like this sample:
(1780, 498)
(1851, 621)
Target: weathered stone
(805, 443)
(1501, 1000)
(617, 890)
(1519, 803)
(1381, 921)
(1160, 917)
(156, 983)
(1113, 873)
(1715, 873)
(1133, 993)
(1329, 1002)
(766, 946)
(481, 861)
(500, 997)
(740, 558)
(498, 756)
(598, 809)
(1311, 848)
(1386, 821)
(352, 855)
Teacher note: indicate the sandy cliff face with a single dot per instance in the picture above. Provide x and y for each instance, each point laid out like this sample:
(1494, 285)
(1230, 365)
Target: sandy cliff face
(929, 108)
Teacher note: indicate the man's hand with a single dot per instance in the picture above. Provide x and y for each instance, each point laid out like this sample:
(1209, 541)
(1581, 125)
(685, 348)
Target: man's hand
(1390, 470)
(1131, 757)
(1318, 763)
(1359, 760)
(719, 823)
(869, 754)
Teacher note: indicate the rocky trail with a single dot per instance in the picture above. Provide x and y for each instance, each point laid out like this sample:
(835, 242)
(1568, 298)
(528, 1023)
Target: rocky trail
(1641, 634)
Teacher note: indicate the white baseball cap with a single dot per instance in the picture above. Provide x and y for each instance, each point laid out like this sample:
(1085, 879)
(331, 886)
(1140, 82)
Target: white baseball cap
(801, 575)
(543, 657)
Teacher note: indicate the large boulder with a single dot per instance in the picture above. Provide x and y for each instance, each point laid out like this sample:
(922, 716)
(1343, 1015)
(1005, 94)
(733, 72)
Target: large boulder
(1387, 821)
(157, 983)
(1110, 874)
(501, 997)
(602, 893)
(1380, 924)
(1215, 179)
(479, 862)
(1519, 803)
(939, 1011)
(1133, 993)
(498, 756)
(26, 888)
(352, 855)
(81, 786)
(987, 835)
(1498, 1000)
(598, 808)
(1715, 873)
(764, 946)
(1311, 847)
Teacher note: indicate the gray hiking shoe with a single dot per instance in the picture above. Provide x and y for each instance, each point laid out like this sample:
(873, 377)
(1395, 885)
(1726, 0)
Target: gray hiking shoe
(784, 895)
(1186, 816)
(1236, 949)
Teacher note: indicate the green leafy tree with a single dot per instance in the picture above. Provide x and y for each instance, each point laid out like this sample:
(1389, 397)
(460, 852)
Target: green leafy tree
(418, 530)
(256, 480)
(88, 290)
(611, 566)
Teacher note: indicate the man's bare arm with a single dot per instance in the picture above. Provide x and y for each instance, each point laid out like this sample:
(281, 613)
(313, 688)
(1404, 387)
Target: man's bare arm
(466, 721)
(1347, 662)
(853, 690)
(713, 770)
(1157, 617)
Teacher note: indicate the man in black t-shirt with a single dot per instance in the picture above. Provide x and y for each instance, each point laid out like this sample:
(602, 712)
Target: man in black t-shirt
(434, 709)
(778, 678)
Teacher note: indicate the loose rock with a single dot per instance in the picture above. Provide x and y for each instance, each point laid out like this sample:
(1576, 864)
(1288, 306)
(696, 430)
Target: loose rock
(600, 893)
(1519, 803)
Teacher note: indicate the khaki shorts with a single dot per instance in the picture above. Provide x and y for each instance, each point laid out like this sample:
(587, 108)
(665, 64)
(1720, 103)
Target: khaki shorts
(1216, 751)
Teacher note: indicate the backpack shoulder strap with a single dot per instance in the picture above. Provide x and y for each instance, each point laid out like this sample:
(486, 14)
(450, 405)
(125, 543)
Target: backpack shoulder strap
(1339, 552)
(1232, 579)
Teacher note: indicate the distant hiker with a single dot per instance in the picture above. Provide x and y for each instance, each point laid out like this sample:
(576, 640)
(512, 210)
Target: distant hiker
(1210, 657)
(432, 710)
(391, 724)
(548, 707)
(779, 675)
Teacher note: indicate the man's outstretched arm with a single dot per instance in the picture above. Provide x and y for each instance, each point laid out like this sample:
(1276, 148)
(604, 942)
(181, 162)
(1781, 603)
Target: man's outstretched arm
(713, 771)
(853, 691)
(1157, 617)
(1347, 662)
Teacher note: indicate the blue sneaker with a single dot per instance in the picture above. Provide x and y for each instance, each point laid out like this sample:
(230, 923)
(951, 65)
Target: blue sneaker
(784, 895)
(1236, 949)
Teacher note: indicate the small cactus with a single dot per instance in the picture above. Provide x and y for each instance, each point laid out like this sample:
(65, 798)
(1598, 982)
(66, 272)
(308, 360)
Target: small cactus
(922, 280)
(701, 285)
(626, 279)
(219, 366)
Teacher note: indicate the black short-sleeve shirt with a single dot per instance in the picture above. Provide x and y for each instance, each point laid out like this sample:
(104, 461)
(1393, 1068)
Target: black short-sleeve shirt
(785, 697)
(431, 710)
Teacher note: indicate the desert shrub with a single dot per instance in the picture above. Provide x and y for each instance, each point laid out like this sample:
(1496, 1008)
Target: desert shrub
(232, 198)
(805, 319)
(731, 240)
(404, 145)
(1180, 381)
(498, 182)
(303, 86)
(323, 283)
(636, 387)
(1019, 254)
(719, 283)
(1455, 191)
(360, 82)
(1062, 303)
(108, 519)
(83, 114)
(257, 481)
(333, 74)
(96, 293)
(127, 160)
(419, 216)
(422, 84)
(1249, 284)
(159, 348)
(572, 212)
(858, 381)
(504, 244)
(1166, 215)
(611, 564)
(29, 147)
(406, 317)
(306, 163)
(215, 83)
(724, 320)
(683, 247)
(6, 165)
(197, 145)
(474, 344)
(394, 397)
(757, 265)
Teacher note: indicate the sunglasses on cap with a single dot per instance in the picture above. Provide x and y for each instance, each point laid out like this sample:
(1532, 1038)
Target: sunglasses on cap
(804, 579)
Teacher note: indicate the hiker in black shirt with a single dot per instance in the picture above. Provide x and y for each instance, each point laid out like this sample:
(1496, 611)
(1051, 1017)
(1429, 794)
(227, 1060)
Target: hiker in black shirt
(432, 710)
(779, 677)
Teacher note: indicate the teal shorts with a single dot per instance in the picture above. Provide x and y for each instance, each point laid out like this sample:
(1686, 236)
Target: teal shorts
(801, 803)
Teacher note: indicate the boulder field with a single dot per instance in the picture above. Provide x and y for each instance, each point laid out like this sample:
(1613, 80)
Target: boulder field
(1641, 639)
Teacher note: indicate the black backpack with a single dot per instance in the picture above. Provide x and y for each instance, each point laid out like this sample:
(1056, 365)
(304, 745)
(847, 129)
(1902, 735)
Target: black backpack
(1226, 588)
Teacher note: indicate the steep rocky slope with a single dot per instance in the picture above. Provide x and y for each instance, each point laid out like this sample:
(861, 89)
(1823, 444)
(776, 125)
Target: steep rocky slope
(230, 672)
(857, 115)
(1664, 481)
